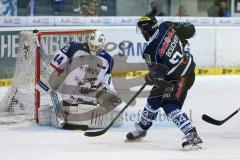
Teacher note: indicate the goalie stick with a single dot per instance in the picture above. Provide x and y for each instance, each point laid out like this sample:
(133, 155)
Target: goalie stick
(60, 117)
(218, 122)
(56, 104)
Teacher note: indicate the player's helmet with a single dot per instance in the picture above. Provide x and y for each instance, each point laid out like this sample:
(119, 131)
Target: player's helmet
(96, 41)
(148, 25)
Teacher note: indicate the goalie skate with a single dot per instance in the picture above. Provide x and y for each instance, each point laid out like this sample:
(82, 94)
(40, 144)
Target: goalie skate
(137, 134)
(192, 141)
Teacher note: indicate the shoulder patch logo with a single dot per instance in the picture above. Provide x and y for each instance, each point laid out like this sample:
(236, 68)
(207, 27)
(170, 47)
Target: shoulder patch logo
(147, 58)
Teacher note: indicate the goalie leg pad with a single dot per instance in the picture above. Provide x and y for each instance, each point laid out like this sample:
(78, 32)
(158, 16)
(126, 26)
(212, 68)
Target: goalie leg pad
(44, 116)
(47, 116)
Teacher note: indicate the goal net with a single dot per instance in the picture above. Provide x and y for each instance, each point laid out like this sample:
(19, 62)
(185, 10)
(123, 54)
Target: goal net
(22, 101)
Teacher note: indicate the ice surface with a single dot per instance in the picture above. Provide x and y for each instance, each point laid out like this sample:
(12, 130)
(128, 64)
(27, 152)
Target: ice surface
(217, 96)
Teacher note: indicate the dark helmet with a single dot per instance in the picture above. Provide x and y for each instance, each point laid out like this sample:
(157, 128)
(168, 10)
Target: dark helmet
(148, 25)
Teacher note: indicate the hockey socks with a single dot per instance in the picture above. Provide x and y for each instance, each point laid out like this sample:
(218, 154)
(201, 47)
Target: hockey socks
(173, 112)
(178, 117)
(148, 115)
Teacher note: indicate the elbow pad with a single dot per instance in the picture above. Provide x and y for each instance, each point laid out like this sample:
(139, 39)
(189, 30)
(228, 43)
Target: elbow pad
(185, 30)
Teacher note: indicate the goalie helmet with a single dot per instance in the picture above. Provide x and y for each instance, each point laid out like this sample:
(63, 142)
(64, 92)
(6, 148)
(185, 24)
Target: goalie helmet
(96, 41)
(148, 25)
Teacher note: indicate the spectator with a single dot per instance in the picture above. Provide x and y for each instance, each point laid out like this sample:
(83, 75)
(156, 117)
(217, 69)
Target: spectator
(223, 9)
(91, 9)
(213, 10)
(182, 11)
(156, 10)
(59, 5)
(219, 9)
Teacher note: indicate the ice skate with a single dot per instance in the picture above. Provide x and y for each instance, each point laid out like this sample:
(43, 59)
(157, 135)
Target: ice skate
(136, 134)
(192, 140)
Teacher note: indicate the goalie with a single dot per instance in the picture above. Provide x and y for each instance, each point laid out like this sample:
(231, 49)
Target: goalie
(83, 77)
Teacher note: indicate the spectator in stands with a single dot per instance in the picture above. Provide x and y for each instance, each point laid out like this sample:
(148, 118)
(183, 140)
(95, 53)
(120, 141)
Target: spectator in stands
(213, 10)
(156, 10)
(219, 9)
(182, 11)
(223, 9)
(91, 9)
(59, 5)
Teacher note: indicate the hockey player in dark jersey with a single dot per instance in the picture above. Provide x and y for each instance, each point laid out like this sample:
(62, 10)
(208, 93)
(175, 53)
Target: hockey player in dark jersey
(166, 46)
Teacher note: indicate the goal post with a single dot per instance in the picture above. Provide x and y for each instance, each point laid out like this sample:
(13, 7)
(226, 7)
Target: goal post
(18, 103)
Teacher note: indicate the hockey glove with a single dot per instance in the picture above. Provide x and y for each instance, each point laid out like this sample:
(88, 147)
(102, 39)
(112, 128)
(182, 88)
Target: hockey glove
(156, 72)
(149, 79)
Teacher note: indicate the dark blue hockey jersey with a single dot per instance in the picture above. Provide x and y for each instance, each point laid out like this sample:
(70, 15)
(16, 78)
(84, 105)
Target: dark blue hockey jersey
(166, 47)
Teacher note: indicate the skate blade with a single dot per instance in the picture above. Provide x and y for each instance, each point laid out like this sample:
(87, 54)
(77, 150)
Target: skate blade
(61, 122)
(135, 140)
(192, 147)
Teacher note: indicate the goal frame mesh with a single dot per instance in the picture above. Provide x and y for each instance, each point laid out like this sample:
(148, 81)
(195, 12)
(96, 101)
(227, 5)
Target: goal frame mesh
(22, 101)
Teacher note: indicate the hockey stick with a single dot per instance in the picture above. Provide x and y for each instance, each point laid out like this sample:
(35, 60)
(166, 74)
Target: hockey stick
(56, 104)
(101, 132)
(218, 122)
(60, 117)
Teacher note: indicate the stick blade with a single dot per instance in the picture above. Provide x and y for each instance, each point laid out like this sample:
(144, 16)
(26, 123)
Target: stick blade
(95, 134)
(69, 126)
(208, 119)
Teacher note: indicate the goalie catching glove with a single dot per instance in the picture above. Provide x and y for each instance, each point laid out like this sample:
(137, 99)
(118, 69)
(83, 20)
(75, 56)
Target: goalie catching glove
(107, 98)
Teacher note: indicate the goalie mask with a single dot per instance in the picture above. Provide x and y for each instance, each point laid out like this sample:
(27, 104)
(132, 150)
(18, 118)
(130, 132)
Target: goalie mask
(96, 41)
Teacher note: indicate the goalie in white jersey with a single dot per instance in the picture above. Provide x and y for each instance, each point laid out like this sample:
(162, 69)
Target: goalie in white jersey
(86, 70)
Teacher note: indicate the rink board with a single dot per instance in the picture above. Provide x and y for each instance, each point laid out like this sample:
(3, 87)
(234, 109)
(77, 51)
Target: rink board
(140, 73)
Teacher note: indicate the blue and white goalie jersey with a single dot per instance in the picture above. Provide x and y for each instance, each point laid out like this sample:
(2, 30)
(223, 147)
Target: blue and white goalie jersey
(83, 69)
